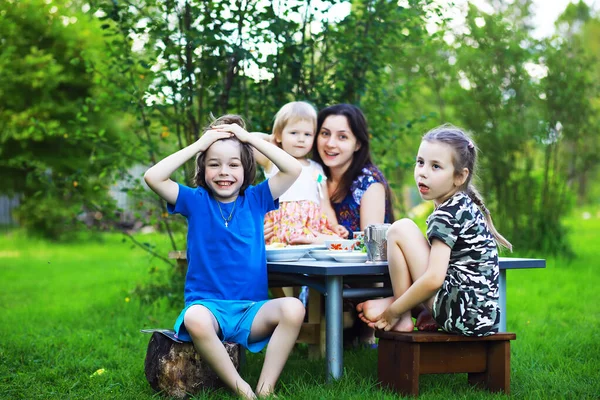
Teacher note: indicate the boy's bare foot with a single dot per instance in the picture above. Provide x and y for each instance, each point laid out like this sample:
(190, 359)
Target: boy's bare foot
(246, 393)
(369, 310)
(267, 395)
(266, 392)
(425, 321)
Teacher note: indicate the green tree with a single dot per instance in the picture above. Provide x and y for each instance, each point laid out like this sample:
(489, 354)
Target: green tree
(202, 58)
(54, 139)
(528, 105)
(579, 38)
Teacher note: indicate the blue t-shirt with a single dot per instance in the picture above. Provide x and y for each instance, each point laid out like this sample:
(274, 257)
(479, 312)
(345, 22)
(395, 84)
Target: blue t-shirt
(227, 263)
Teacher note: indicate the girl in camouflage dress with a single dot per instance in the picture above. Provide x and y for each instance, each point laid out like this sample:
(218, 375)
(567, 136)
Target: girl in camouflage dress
(452, 275)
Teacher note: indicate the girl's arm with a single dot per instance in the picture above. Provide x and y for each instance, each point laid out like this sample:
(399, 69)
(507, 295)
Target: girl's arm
(158, 177)
(421, 290)
(327, 208)
(260, 158)
(372, 206)
(289, 167)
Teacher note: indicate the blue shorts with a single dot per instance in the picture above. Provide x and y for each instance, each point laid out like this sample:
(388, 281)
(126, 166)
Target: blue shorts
(234, 317)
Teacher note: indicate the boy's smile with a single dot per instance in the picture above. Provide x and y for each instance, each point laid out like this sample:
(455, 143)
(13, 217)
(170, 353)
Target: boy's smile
(224, 173)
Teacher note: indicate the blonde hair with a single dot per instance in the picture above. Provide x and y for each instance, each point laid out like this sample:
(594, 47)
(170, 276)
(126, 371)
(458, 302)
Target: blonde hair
(292, 112)
(465, 156)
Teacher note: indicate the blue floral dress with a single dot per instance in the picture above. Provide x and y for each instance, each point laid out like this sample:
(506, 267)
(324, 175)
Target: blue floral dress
(348, 210)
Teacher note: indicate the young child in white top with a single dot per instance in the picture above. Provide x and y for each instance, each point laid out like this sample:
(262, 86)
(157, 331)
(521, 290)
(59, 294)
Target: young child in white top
(304, 209)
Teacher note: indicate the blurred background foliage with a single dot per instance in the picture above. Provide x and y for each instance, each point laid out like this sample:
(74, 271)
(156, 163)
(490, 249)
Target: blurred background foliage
(90, 90)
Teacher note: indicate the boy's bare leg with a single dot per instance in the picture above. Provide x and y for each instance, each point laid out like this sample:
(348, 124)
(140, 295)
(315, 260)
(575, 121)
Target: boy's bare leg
(283, 318)
(203, 327)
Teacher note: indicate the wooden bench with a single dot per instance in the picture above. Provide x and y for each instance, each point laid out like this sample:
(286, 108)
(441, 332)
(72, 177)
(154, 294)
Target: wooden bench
(403, 357)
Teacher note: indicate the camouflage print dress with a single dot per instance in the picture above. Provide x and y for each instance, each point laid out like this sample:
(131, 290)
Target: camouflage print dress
(467, 302)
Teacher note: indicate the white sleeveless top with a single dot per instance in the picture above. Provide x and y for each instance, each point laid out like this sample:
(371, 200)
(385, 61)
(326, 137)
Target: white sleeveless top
(306, 186)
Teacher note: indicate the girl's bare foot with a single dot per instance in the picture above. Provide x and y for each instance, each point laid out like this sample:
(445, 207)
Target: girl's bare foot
(425, 321)
(388, 321)
(369, 310)
(404, 325)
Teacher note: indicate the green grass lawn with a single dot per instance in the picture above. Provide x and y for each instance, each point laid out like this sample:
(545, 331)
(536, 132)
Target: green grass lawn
(67, 310)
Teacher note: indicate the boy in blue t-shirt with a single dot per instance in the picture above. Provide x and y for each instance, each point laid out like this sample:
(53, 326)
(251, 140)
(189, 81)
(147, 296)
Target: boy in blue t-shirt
(226, 284)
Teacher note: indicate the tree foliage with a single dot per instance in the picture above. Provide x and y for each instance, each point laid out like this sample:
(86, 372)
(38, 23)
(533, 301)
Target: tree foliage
(54, 133)
(90, 89)
(208, 58)
(527, 102)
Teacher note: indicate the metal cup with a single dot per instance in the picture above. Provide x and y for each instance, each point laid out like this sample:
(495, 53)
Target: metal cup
(376, 242)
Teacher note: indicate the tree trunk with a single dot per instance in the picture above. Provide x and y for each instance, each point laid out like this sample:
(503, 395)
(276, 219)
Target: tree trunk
(175, 368)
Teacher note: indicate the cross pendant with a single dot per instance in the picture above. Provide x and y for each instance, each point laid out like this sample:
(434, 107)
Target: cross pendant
(226, 224)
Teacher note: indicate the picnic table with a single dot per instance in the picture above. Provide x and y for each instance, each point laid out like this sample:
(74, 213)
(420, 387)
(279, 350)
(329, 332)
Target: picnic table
(329, 277)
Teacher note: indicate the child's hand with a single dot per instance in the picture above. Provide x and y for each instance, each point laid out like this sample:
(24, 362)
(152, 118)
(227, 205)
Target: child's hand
(385, 321)
(341, 231)
(269, 231)
(237, 130)
(211, 136)
(304, 239)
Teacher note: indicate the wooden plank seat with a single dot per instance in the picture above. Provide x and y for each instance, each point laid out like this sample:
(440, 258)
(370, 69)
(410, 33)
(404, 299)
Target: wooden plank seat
(404, 356)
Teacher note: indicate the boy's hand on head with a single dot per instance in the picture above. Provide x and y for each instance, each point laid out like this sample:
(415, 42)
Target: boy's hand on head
(211, 136)
(237, 130)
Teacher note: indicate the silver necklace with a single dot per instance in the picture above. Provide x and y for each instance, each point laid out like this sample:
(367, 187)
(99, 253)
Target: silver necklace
(230, 214)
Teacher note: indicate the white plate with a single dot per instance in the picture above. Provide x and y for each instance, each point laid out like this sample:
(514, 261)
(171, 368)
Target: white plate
(289, 253)
(353, 257)
(322, 255)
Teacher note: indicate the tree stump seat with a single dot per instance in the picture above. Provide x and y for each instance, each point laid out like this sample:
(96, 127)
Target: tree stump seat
(175, 369)
(404, 356)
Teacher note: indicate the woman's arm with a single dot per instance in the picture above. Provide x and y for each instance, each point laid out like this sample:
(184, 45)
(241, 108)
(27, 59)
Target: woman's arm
(372, 206)
(289, 167)
(158, 176)
(327, 208)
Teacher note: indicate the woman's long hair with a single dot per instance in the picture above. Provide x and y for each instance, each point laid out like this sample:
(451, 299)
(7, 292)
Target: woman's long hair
(362, 157)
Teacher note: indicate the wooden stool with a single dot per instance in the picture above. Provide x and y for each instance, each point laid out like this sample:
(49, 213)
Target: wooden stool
(402, 357)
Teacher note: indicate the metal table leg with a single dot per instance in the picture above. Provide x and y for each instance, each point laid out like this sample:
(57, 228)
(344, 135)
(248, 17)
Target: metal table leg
(502, 299)
(334, 328)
